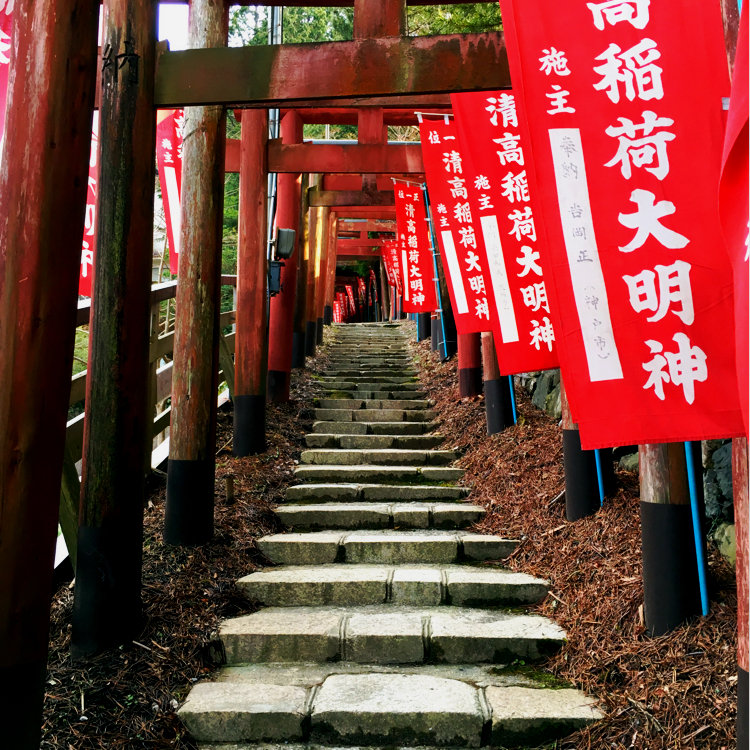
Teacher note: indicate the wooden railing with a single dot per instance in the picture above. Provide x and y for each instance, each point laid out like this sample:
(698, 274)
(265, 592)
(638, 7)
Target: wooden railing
(160, 371)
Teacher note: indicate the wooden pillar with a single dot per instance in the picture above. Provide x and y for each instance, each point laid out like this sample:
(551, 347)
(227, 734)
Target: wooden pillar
(281, 323)
(318, 226)
(190, 478)
(469, 364)
(581, 482)
(382, 18)
(330, 275)
(42, 204)
(321, 270)
(670, 572)
(299, 335)
(118, 426)
(497, 400)
(423, 326)
(251, 349)
(742, 523)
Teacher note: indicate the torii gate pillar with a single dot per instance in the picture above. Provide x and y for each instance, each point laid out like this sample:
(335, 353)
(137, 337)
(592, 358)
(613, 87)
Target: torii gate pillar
(281, 335)
(43, 197)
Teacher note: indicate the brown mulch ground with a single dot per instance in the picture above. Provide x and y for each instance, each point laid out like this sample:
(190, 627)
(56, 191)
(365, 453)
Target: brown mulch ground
(676, 691)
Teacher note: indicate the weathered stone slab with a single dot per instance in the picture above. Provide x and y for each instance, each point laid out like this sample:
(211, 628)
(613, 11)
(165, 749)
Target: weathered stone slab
(299, 586)
(477, 587)
(224, 712)
(396, 709)
(483, 547)
(336, 516)
(474, 635)
(323, 492)
(455, 515)
(401, 547)
(315, 548)
(388, 637)
(282, 634)
(417, 586)
(353, 473)
(380, 492)
(528, 715)
(340, 428)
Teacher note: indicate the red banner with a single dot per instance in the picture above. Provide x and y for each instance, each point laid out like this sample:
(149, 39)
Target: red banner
(461, 247)
(337, 315)
(415, 261)
(385, 254)
(733, 205)
(626, 139)
(502, 193)
(6, 28)
(169, 126)
(88, 244)
(350, 298)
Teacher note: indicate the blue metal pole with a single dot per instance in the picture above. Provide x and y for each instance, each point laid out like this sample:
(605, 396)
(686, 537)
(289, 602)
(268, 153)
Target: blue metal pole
(513, 399)
(599, 475)
(697, 533)
(433, 242)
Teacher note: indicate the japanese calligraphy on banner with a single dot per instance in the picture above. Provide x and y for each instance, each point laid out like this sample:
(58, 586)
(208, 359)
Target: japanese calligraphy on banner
(169, 127)
(415, 256)
(394, 253)
(461, 247)
(6, 27)
(497, 160)
(338, 316)
(350, 298)
(626, 139)
(385, 255)
(88, 244)
(733, 205)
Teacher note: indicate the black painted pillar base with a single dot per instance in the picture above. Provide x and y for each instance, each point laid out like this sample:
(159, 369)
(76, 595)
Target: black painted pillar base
(21, 707)
(423, 326)
(189, 514)
(278, 386)
(298, 350)
(311, 335)
(670, 574)
(319, 331)
(743, 716)
(327, 315)
(469, 381)
(434, 327)
(498, 406)
(581, 483)
(107, 609)
(249, 425)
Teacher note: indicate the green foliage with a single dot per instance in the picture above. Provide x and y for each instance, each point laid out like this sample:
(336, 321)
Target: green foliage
(467, 18)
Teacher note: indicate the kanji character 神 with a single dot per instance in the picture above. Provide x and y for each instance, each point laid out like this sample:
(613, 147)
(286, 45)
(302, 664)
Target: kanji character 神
(554, 61)
(634, 12)
(650, 149)
(685, 367)
(673, 287)
(515, 187)
(504, 106)
(639, 76)
(482, 309)
(542, 333)
(645, 220)
(528, 261)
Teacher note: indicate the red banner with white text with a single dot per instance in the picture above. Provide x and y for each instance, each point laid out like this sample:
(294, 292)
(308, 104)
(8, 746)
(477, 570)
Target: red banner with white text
(415, 256)
(6, 28)
(733, 205)
(88, 244)
(503, 199)
(169, 127)
(461, 246)
(623, 100)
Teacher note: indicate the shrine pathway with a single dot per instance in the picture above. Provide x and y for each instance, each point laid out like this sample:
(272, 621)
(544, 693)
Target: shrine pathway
(385, 621)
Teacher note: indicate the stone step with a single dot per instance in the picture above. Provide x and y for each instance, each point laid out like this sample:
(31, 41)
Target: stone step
(417, 585)
(371, 378)
(341, 493)
(374, 474)
(318, 707)
(368, 386)
(383, 547)
(374, 415)
(365, 372)
(377, 457)
(360, 403)
(310, 517)
(388, 634)
(409, 442)
(373, 395)
(373, 428)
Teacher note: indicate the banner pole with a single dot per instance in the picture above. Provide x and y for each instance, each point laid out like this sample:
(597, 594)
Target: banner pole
(695, 512)
(433, 242)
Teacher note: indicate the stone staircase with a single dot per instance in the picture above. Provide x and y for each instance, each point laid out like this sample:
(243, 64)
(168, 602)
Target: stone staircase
(386, 622)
